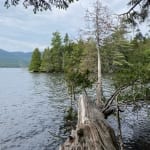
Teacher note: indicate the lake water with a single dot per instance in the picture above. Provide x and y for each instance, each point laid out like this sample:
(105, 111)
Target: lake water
(32, 109)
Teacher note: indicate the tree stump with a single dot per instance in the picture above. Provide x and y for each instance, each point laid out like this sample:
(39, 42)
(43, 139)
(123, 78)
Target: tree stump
(92, 131)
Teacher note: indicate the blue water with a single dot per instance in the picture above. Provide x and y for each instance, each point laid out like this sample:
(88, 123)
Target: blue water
(32, 109)
(30, 106)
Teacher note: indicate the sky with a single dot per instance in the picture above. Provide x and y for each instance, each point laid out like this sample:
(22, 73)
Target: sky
(22, 30)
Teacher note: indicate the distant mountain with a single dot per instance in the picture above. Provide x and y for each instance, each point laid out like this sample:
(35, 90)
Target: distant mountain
(14, 59)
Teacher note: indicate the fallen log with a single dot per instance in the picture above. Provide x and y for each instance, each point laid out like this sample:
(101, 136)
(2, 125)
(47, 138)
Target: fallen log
(92, 131)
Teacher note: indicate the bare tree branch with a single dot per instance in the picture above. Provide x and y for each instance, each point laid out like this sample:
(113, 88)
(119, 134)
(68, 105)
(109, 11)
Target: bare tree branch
(138, 13)
(40, 5)
(112, 98)
(132, 8)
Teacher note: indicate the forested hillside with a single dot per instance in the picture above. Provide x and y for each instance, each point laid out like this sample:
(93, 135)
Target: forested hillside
(14, 59)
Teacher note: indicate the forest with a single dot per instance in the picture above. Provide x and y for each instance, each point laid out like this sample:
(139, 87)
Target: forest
(105, 47)
(126, 61)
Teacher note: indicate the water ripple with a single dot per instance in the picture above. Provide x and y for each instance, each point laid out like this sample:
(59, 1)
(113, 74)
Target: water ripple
(33, 107)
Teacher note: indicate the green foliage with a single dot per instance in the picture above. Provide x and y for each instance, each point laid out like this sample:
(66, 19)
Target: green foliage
(77, 78)
(138, 12)
(89, 60)
(136, 73)
(71, 58)
(139, 63)
(70, 115)
(56, 53)
(56, 40)
(45, 64)
(53, 58)
(115, 50)
(126, 61)
(35, 61)
(40, 5)
(66, 40)
(71, 68)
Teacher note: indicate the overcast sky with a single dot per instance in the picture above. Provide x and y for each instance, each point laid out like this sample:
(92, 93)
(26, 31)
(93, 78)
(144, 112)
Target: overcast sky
(22, 30)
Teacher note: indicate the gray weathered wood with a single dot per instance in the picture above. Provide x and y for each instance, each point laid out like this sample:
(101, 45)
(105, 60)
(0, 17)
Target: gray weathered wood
(92, 131)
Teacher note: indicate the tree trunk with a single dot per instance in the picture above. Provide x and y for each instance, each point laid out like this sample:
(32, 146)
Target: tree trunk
(119, 126)
(92, 131)
(99, 82)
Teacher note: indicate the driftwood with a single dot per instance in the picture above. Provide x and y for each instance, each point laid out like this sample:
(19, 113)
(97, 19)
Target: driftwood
(92, 131)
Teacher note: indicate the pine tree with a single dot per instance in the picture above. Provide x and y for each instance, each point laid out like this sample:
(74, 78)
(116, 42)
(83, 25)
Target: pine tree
(56, 53)
(46, 61)
(35, 61)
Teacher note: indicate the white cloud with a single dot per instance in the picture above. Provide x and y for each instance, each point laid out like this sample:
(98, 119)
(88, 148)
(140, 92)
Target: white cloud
(25, 27)
(22, 24)
(117, 6)
(17, 45)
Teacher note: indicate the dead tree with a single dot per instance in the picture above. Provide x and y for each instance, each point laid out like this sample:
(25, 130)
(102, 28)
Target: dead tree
(98, 25)
(92, 131)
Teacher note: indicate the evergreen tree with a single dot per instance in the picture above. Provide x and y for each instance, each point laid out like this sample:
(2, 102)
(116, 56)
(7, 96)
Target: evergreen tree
(67, 46)
(78, 79)
(46, 62)
(134, 15)
(35, 61)
(135, 73)
(115, 51)
(89, 59)
(71, 70)
(56, 53)
(40, 5)
(66, 39)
